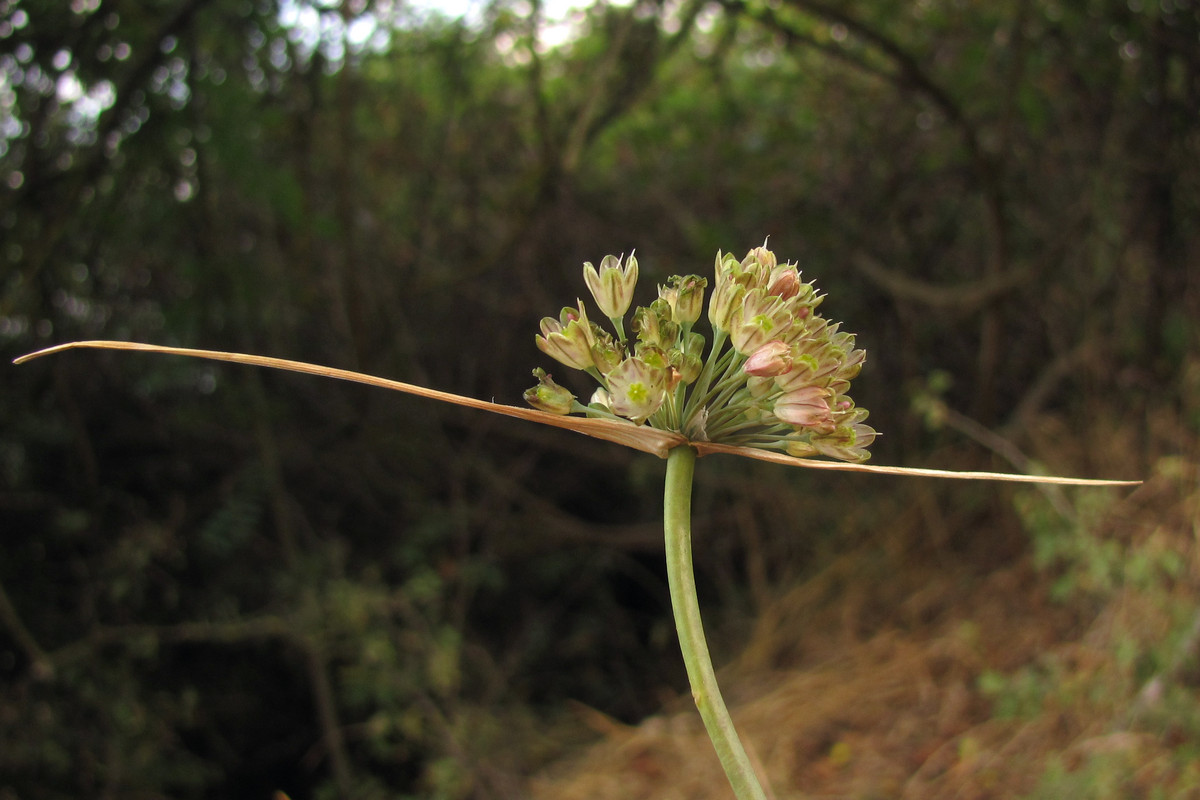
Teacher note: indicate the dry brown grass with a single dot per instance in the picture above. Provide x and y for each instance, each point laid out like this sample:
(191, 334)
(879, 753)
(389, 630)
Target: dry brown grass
(864, 681)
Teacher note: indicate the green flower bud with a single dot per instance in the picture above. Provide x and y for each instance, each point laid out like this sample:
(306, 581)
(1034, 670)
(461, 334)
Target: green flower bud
(847, 442)
(726, 297)
(732, 283)
(645, 325)
(685, 296)
(800, 449)
(548, 395)
(601, 400)
(852, 365)
(654, 326)
(606, 353)
(686, 365)
(760, 387)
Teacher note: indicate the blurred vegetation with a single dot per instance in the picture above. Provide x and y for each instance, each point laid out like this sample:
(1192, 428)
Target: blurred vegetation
(218, 582)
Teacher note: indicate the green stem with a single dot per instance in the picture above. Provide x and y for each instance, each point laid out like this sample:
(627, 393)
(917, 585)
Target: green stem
(619, 324)
(677, 522)
(729, 384)
(700, 390)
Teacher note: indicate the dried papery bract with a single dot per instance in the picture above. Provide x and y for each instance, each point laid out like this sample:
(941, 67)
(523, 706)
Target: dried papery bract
(621, 432)
(618, 431)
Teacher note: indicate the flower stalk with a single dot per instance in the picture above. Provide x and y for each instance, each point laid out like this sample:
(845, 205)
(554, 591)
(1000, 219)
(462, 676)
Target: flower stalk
(677, 526)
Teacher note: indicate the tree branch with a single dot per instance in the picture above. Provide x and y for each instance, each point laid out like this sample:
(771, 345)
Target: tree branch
(40, 663)
(909, 74)
(963, 298)
(93, 161)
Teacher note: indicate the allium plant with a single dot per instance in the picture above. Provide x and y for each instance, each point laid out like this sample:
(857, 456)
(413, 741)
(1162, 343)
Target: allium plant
(775, 375)
(772, 386)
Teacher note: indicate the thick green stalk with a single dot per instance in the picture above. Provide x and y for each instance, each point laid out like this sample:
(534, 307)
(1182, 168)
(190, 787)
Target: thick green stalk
(677, 522)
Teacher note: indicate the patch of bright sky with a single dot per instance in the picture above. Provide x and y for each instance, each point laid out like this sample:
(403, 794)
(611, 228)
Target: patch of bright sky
(83, 103)
(560, 18)
(333, 26)
(321, 23)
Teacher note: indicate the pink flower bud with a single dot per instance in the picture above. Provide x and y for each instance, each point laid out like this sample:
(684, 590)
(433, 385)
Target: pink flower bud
(785, 283)
(773, 358)
(805, 408)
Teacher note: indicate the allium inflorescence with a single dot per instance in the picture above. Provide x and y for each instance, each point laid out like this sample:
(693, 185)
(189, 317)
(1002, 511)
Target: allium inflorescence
(776, 374)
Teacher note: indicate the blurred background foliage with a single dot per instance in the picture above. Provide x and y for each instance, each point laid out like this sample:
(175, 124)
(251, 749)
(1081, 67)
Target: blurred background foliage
(219, 582)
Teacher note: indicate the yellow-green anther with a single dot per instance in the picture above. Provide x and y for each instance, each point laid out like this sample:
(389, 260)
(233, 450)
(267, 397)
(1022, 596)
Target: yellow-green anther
(637, 389)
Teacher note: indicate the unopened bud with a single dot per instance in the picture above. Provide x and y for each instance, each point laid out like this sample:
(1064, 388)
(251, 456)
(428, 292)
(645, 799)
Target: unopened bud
(726, 298)
(761, 258)
(847, 442)
(785, 282)
(548, 395)
(605, 351)
(685, 295)
(773, 358)
(805, 408)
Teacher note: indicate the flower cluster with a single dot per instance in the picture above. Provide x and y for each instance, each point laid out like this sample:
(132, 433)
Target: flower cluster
(776, 374)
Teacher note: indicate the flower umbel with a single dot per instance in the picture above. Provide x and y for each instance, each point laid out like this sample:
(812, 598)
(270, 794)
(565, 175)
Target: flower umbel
(775, 376)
